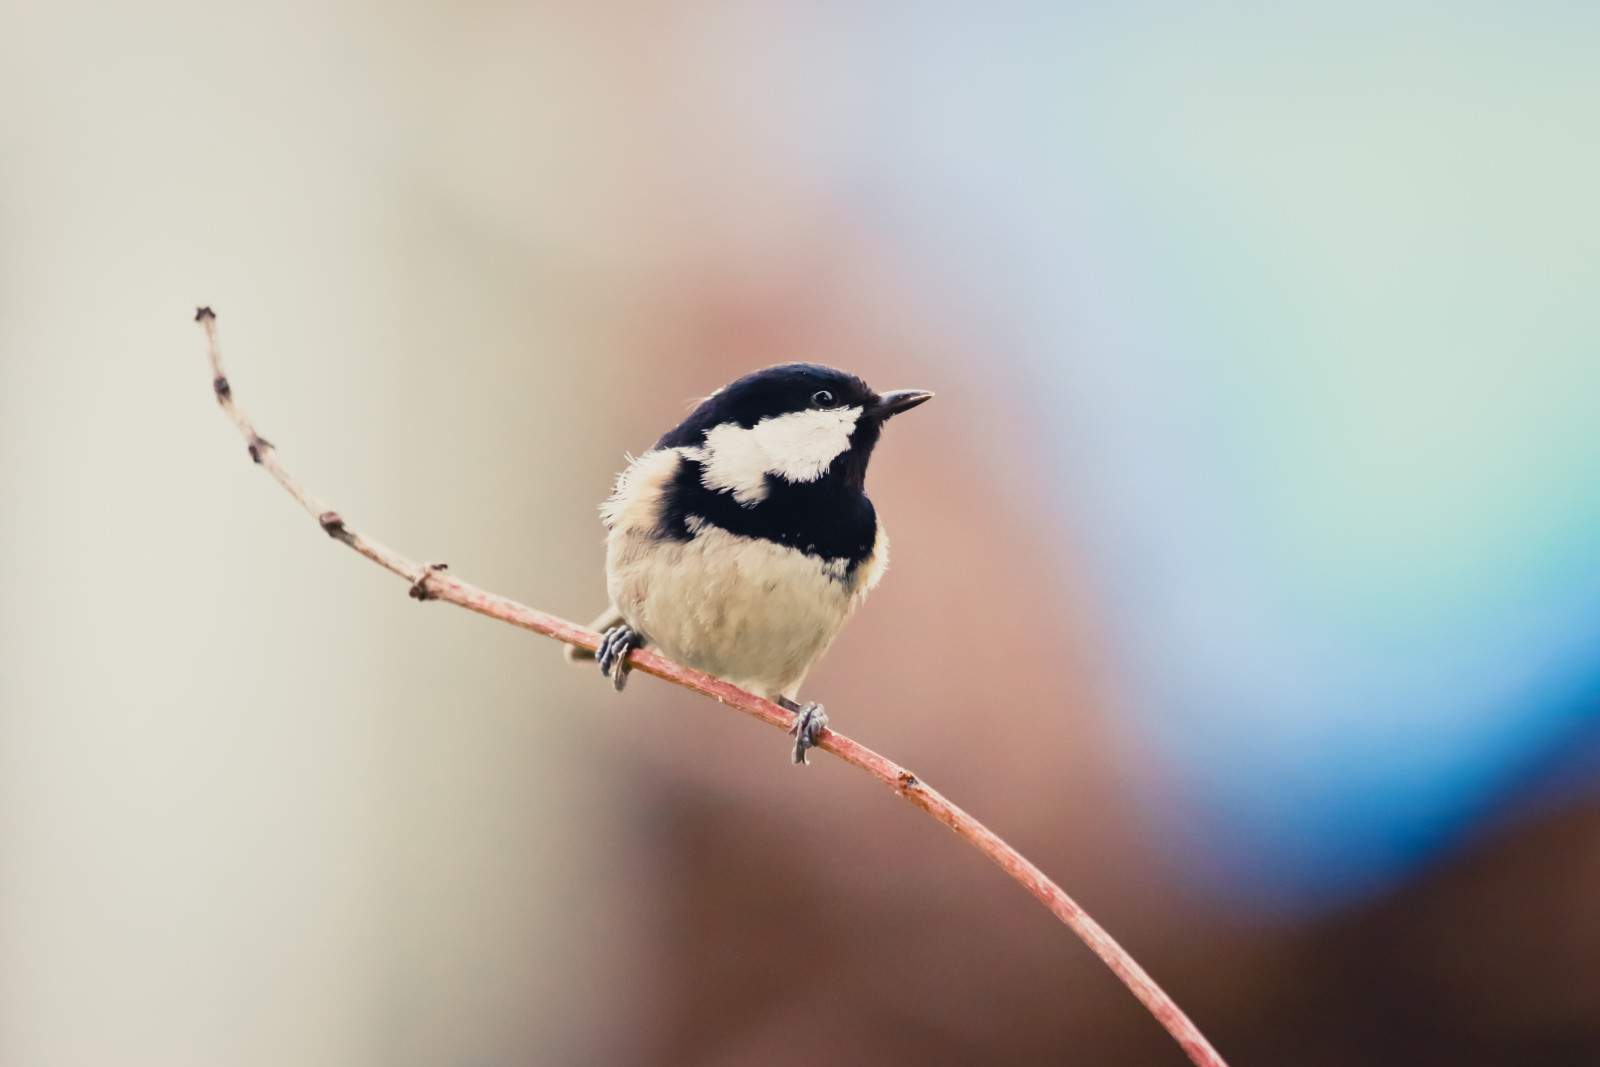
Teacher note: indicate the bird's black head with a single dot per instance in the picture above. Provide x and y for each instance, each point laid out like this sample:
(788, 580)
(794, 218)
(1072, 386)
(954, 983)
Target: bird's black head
(787, 446)
(785, 389)
(806, 421)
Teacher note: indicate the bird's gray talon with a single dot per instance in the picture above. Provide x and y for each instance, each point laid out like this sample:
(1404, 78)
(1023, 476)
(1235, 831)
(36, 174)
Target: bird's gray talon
(809, 722)
(612, 655)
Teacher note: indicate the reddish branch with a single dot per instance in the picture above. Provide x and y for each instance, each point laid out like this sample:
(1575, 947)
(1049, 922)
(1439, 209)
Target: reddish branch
(430, 581)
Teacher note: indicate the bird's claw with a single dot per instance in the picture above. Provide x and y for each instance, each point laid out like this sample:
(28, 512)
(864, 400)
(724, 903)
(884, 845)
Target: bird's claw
(809, 722)
(615, 644)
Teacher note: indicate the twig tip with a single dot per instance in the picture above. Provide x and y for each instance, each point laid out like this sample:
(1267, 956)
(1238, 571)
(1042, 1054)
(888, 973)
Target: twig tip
(204, 314)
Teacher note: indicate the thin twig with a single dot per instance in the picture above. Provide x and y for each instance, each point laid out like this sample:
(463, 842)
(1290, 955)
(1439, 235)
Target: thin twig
(430, 581)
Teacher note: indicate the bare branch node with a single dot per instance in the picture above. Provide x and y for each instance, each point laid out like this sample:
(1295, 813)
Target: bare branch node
(419, 588)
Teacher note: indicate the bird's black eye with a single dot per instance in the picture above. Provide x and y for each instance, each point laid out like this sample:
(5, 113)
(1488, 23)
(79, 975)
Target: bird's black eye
(822, 398)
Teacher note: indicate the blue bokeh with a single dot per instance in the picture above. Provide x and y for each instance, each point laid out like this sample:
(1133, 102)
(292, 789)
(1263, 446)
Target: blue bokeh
(1306, 302)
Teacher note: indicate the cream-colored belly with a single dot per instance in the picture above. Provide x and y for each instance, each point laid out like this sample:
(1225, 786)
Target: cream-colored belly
(746, 610)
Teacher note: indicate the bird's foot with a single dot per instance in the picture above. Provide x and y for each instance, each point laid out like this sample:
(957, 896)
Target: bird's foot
(809, 722)
(615, 644)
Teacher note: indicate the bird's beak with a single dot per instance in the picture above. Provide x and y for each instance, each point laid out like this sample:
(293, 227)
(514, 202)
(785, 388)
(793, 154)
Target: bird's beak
(899, 400)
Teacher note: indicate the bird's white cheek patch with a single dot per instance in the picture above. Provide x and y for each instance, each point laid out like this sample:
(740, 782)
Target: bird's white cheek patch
(797, 447)
(803, 444)
(731, 460)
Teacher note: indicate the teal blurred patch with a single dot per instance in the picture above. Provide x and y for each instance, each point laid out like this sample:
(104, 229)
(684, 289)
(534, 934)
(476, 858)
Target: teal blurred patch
(1319, 296)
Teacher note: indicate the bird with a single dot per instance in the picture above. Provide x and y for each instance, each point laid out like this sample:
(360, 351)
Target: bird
(744, 540)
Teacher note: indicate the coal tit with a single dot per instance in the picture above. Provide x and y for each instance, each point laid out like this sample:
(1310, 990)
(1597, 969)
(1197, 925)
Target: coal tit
(744, 539)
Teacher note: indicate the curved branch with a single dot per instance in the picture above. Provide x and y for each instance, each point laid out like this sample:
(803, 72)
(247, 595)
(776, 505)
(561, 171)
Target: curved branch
(431, 581)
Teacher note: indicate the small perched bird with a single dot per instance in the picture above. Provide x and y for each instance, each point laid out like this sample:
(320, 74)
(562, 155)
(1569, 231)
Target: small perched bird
(744, 539)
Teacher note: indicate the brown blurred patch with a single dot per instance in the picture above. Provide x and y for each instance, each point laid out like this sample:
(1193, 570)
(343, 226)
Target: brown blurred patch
(1492, 958)
(779, 951)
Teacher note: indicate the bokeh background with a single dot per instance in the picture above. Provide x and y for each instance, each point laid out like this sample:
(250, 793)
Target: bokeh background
(1246, 568)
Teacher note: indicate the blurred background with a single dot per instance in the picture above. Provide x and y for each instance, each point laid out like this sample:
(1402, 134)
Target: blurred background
(1246, 569)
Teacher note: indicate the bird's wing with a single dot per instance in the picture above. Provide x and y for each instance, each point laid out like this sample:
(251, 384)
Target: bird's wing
(608, 618)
